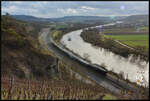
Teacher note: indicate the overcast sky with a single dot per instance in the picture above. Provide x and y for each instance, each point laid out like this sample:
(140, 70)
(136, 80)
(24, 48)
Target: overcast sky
(49, 9)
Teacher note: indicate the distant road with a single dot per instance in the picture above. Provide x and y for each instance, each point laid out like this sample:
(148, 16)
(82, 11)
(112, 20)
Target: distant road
(123, 44)
(100, 79)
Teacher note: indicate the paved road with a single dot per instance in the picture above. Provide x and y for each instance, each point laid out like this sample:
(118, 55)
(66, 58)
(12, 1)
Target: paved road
(99, 78)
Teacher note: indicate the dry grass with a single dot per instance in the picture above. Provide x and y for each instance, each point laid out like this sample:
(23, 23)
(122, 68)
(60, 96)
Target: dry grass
(44, 49)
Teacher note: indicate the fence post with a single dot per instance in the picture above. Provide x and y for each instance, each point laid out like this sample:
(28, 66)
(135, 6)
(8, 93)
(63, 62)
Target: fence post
(56, 63)
(28, 84)
(59, 71)
(42, 90)
(29, 89)
(11, 87)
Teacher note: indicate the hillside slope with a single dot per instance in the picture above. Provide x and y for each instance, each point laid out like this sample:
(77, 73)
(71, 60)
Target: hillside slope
(28, 73)
(21, 56)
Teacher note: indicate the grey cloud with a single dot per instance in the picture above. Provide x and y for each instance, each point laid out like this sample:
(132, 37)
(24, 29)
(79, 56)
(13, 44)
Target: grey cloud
(49, 9)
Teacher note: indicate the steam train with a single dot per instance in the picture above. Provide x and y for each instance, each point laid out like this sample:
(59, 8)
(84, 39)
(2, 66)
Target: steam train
(95, 67)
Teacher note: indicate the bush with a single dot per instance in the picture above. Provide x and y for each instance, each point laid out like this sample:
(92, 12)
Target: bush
(2, 24)
(56, 35)
(109, 97)
(141, 48)
(16, 35)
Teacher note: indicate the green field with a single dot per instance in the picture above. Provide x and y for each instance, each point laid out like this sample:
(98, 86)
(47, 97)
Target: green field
(61, 25)
(145, 28)
(131, 40)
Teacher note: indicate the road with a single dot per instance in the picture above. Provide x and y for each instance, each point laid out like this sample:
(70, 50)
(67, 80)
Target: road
(103, 80)
(124, 45)
(121, 43)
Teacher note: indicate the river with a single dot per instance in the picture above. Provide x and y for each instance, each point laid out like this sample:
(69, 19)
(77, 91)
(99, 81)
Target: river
(137, 71)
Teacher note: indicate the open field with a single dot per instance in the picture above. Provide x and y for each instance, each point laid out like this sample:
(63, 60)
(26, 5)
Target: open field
(131, 40)
(114, 30)
(144, 28)
(125, 30)
(58, 26)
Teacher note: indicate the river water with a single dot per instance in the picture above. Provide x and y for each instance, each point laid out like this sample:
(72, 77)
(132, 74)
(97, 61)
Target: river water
(137, 71)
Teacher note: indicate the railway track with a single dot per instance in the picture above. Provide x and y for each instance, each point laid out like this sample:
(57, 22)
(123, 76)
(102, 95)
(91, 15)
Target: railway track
(71, 55)
(92, 72)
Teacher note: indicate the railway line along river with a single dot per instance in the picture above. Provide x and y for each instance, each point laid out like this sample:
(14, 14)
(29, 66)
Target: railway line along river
(137, 71)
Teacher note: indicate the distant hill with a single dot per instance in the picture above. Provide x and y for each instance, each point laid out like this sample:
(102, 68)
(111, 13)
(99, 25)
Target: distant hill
(143, 19)
(80, 18)
(28, 18)
(86, 19)
(119, 18)
(65, 19)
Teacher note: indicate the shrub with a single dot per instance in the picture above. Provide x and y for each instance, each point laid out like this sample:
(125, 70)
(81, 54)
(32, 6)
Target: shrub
(2, 24)
(141, 48)
(56, 34)
(16, 35)
(109, 97)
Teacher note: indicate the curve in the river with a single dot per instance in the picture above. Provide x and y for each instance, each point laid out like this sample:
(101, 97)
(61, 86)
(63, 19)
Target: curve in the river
(97, 77)
(129, 69)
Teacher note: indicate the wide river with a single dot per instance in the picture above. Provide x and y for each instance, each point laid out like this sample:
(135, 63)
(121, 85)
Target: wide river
(137, 71)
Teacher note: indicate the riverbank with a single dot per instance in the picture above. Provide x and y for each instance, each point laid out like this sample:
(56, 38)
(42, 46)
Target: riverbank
(106, 83)
(101, 56)
(98, 39)
(74, 69)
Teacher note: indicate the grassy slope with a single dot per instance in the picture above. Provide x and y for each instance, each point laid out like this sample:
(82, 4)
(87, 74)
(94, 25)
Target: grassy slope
(45, 50)
(132, 40)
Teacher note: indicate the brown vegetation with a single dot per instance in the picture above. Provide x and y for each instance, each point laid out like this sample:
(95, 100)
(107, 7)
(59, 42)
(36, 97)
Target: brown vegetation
(17, 89)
